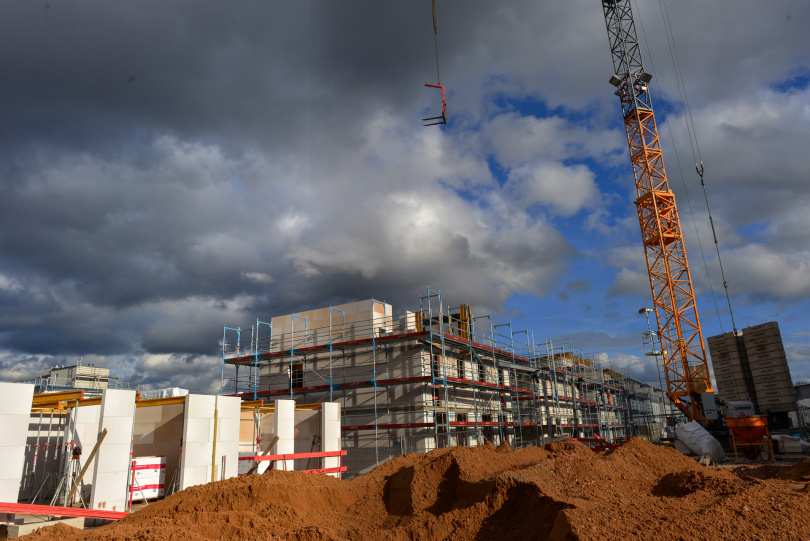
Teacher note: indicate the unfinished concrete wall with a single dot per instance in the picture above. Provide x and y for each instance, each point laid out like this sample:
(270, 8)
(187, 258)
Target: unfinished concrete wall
(159, 432)
(330, 434)
(110, 477)
(200, 462)
(229, 408)
(198, 440)
(15, 414)
(284, 428)
(351, 321)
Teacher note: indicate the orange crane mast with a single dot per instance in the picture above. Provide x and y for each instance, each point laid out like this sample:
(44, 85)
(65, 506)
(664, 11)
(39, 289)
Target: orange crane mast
(679, 332)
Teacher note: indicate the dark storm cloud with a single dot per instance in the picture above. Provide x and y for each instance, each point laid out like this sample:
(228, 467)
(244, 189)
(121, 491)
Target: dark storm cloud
(170, 167)
(93, 73)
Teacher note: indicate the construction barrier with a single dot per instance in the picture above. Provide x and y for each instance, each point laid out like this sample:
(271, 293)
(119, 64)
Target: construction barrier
(51, 511)
(292, 456)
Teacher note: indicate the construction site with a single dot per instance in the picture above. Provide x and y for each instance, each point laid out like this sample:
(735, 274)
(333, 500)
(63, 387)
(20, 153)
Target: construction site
(438, 377)
(435, 420)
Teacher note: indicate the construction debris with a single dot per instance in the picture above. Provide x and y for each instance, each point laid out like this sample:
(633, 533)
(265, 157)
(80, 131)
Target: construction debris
(562, 490)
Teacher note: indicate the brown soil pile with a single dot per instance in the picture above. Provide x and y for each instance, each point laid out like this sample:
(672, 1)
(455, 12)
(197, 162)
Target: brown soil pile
(559, 491)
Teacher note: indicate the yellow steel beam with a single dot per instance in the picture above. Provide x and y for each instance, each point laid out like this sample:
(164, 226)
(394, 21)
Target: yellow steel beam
(160, 401)
(249, 406)
(57, 397)
(252, 404)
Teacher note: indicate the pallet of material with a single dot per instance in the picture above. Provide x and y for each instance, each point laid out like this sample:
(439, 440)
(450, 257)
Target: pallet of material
(779, 394)
(776, 398)
(758, 349)
(761, 327)
(773, 378)
(726, 372)
(723, 347)
(766, 353)
(775, 405)
(759, 364)
(761, 332)
(772, 369)
(731, 384)
(784, 383)
(734, 393)
(726, 366)
(731, 380)
(763, 341)
(719, 364)
(725, 353)
(769, 359)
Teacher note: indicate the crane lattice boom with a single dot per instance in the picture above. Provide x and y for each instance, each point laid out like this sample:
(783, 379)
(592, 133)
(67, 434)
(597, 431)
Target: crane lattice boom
(686, 368)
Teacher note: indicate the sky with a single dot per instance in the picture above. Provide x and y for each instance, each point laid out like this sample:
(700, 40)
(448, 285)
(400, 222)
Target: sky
(170, 168)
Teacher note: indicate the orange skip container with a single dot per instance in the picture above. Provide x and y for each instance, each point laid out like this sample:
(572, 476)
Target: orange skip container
(750, 433)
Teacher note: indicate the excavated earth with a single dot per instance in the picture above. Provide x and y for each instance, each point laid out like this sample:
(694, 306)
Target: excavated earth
(561, 491)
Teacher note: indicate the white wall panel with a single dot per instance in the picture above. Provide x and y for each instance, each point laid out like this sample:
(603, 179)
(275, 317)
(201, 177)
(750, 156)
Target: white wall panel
(284, 427)
(230, 408)
(15, 412)
(330, 433)
(198, 440)
(109, 489)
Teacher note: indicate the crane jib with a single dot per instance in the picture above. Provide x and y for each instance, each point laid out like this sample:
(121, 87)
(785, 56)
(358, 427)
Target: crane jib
(684, 354)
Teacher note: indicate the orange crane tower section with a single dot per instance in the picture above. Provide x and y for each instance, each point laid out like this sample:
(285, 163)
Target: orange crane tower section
(681, 338)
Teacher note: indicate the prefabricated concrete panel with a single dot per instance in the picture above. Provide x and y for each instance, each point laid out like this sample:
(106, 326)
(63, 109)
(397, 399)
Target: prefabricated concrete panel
(112, 461)
(198, 440)
(330, 434)
(284, 427)
(230, 410)
(86, 436)
(15, 415)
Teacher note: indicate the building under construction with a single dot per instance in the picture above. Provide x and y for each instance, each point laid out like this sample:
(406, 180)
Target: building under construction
(437, 376)
(88, 377)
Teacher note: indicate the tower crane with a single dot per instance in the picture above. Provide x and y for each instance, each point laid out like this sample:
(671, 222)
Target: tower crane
(679, 332)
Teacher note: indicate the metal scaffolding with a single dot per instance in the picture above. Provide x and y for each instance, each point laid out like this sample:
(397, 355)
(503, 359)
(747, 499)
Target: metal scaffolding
(431, 378)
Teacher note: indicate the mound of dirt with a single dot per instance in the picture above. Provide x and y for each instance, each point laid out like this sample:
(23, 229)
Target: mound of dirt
(684, 483)
(561, 491)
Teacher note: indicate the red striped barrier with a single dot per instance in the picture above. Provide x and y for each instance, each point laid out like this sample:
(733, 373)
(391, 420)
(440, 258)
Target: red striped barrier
(293, 456)
(31, 509)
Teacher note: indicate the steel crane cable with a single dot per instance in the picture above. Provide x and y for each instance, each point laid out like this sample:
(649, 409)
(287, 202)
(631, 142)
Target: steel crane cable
(696, 149)
(436, 38)
(679, 79)
(687, 110)
(680, 169)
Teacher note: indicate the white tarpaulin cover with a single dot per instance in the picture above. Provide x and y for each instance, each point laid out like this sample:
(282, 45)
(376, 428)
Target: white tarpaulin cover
(700, 441)
(163, 393)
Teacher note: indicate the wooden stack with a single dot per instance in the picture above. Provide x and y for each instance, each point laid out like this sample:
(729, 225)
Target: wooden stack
(769, 368)
(730, 363)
